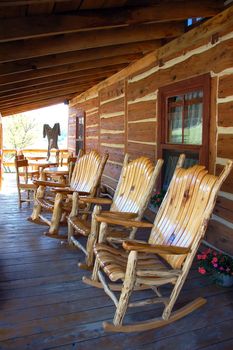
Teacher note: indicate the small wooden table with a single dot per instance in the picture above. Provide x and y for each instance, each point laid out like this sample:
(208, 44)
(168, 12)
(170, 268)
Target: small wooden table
(41, 164)
(59, 172)
(36, 157)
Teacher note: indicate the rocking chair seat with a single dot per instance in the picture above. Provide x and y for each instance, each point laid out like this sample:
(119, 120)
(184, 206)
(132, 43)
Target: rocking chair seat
(114, 262)
(46, 203)
(81, 226)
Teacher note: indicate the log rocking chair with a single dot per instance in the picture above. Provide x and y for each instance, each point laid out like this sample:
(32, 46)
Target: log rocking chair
(85, 181)
(166, 258)
(130, 200)
(136, 183)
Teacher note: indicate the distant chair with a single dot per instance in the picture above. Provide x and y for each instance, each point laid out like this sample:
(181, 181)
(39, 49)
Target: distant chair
(24, 179)
(85, 180)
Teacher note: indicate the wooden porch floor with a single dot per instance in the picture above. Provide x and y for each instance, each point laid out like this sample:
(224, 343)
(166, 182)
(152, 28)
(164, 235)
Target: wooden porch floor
(45, 305)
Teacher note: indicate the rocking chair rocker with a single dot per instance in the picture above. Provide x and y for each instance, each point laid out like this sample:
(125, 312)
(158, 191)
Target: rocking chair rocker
(176, 234)
(85, 180)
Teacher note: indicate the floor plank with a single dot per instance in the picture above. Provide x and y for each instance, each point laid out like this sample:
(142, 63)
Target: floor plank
(44, 304)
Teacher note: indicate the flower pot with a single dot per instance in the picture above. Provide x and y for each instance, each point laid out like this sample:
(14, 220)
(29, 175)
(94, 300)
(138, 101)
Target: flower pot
(223, 280)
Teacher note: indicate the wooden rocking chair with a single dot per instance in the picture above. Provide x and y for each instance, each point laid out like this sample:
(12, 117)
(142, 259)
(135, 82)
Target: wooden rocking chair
(130, 200)
(85, 180)
(167, 257)
(137, 180)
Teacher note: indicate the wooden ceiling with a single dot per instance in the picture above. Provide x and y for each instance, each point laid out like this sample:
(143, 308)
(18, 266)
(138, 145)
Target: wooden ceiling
(53, 50)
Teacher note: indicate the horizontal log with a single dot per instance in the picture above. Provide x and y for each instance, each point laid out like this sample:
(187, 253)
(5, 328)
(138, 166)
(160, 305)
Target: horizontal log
(112, 91)
(115, 155)
(93, 73)
(218, 58)
(89, 104)
(225, 87)
(135, 150)
(221, 24)
(224, 208)
(225, 146)
(142, 110)
(112, 170)
(220, 236)
(110, 123)
(16, 50)
(142, 132)
(92, 119)
(74, 67)
(228, 183)
(77, 57)
(112, 138)
(225, 111)
(44, 26)
(116, 106)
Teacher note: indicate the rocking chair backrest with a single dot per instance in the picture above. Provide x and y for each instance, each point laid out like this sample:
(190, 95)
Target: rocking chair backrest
(183, 216)
(21, 162)
(135, 185)
(87, 172)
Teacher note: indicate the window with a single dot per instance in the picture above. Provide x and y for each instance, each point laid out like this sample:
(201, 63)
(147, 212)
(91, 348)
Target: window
(80, 131)
(183, 124)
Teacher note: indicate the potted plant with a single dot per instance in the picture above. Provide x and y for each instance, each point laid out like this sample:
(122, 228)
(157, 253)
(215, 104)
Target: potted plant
(218, 265)
(157, 199)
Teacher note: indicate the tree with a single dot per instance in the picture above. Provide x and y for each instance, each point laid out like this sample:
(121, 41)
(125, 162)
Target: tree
(20, 131)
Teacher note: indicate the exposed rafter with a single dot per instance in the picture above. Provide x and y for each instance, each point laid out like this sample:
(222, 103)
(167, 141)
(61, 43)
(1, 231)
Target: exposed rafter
(17, 50)
(43, 26)
(78, 56)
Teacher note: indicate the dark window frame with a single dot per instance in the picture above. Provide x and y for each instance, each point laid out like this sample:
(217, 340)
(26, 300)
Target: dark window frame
(202, 82)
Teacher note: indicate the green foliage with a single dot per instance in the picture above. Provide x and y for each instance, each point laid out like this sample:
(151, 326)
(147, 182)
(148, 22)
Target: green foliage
(20, 131)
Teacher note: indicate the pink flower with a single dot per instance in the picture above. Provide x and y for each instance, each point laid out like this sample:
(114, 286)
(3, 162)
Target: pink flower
(199, 256)
(221, 268)
(214, 260)
(202, 270)
(215, 265)
(204, 256)
(227, 269)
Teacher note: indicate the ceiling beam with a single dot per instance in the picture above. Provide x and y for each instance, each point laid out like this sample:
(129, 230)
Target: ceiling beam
(83, 75)
(43, 95)
(47, 89)
(20, 76)
(115, 63)
(44, 26)
(78, 57)
(25, 2)
(17, 50)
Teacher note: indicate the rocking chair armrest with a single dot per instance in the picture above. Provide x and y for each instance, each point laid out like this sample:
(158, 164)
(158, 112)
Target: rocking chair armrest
(96, 200)
(48, 183)
(68, 190)
(151, 248)
(122, 222)
(120, 215)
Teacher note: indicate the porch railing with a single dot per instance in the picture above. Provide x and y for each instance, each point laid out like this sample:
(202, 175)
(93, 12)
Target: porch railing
(8, 156)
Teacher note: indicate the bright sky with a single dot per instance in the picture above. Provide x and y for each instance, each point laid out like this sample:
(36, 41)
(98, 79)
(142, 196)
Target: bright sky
(50, 115)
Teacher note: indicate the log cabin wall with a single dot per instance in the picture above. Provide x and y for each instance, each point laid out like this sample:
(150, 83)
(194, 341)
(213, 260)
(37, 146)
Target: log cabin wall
(122, 111)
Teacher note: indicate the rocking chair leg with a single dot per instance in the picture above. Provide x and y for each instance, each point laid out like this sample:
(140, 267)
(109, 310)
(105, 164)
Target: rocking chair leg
(92, 238)
(128, 286)
(37, 207)
(70, 233)
(96, 268)
(57, 214)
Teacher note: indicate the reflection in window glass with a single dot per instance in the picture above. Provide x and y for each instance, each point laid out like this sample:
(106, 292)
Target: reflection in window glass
(185, 118)
(175, 125)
